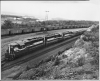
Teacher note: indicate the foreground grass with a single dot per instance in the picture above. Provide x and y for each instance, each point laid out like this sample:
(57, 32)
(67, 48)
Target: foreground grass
(78, 63)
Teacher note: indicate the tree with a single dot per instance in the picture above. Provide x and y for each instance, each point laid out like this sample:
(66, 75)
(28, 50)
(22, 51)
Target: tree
(7, 24)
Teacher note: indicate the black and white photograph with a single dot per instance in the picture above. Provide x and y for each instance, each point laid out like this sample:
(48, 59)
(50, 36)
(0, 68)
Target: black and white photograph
(50, 40)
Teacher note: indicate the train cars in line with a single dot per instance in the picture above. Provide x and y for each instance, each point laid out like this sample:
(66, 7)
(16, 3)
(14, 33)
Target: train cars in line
(21, 47)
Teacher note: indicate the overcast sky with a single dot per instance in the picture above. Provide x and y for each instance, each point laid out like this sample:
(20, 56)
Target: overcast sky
(84, 10)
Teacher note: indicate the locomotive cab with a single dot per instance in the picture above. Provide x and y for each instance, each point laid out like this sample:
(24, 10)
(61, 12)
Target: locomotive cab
(13, 48)
(10, 54)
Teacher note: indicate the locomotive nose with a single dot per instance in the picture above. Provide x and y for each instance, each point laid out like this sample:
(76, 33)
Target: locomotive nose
(7, 56)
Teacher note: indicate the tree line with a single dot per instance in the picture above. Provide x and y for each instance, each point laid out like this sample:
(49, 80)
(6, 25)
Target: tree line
(51, 23)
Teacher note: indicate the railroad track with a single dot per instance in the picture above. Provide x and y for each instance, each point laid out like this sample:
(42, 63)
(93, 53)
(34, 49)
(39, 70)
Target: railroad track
(8, 65)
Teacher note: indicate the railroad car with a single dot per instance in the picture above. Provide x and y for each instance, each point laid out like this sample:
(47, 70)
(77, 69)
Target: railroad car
(4, 32)
(15, 31)
(11, 32)
(52, 38)
(24, 30)
(27, 31)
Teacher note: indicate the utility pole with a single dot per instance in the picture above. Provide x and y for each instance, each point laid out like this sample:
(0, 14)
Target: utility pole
(46, 19)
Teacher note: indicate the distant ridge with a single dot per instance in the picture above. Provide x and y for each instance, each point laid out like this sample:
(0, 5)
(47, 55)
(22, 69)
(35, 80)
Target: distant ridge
(4, 16)
(18, 19)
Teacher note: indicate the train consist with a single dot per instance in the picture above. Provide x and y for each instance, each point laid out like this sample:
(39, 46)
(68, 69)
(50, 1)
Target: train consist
(22, 47)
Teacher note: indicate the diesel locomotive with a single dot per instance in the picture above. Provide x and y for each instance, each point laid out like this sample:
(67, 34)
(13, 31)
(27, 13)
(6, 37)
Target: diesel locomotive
(21, 47)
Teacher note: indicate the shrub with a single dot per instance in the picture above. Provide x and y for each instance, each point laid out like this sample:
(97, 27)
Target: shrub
(40, 73)
(95, 60)
(48, 59)
(36, 65)
(7, 24)
(27, 68)
(52, 58)
(64, 56)
(81, 61)
(60, 52)
(95, 44)
(57, 61)
(79, 43)
(26, 75)
(41, 62)
(56, 73)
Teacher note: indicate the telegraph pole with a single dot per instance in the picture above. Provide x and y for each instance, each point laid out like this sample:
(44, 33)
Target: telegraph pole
(46, 15)
(46, 19)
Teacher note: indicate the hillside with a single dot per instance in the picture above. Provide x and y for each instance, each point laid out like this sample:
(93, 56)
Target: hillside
(81, 62)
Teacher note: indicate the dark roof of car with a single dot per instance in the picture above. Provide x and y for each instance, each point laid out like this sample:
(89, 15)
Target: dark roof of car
(20, 42)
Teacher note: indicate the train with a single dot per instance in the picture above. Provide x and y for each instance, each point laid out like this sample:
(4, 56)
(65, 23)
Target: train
(19, 48)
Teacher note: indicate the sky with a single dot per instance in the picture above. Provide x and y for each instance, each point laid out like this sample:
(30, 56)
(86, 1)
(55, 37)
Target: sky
(69, 10)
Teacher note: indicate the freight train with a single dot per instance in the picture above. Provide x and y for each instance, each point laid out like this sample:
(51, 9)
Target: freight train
(22, 47)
